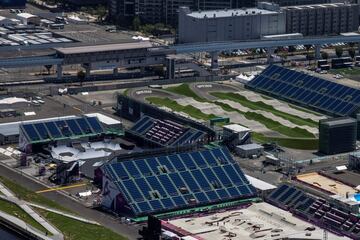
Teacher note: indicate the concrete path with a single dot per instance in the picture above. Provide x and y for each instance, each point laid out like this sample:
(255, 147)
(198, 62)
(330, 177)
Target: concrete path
(22, 225)
(9, 196)
(63, 213)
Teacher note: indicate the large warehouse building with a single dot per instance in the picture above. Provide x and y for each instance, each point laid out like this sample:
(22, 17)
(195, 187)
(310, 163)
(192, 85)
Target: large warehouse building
(165, 183)
(223, 25)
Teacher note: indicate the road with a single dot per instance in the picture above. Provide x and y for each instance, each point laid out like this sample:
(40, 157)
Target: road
(129, 231)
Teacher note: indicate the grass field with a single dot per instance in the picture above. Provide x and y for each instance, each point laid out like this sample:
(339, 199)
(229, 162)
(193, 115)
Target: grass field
(264, 107)
(185, 90)
(16, 211)
(346, 71)
(190, 110)
(76, 230)
(269, 123)
(72, 229)
(295, 143)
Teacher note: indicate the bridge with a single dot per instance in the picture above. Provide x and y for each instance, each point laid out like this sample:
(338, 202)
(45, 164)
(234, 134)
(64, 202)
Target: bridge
(141, 54)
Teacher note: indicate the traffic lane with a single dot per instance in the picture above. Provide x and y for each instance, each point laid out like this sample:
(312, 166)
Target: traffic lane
(129, 231)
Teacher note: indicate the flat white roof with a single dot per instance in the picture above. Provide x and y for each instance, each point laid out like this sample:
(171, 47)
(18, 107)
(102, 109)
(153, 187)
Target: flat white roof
(26, 15)
(249, 146)
(260, 184)
(103, 118)
(236, 128)
(229, 13)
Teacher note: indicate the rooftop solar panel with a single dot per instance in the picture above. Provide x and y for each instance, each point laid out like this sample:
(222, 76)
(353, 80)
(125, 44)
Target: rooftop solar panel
(155, 190)
(320, 94)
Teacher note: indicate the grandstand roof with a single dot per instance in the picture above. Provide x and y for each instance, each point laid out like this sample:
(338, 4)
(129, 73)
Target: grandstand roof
(61, 129)
(169, 182)
(320, 94)
(166, 132)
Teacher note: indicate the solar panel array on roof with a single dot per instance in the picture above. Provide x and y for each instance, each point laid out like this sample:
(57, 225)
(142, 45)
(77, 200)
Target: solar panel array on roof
(332, 98)
(166, 132)
(166, 183)
(57, 129)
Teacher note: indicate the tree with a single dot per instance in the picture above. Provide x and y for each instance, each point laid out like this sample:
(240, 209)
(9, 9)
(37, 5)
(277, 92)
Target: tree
(324, 55)
(339, 51)
(81, 76)
(308, 47)
(351, 52)
(136, 23)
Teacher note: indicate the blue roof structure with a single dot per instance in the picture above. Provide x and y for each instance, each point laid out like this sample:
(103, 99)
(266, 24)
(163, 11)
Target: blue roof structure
(60, 129)
(170, 182)
(166, 132)
(319, 94)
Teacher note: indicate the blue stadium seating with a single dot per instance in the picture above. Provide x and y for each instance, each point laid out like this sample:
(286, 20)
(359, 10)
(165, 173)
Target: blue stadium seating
(166, 132)
(323, 95)
(56, 129)
(166, 183)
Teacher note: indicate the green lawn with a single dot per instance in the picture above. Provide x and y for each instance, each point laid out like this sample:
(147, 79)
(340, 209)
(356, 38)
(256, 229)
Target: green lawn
(76, 230)
(269, 123)
(190, 110)
(30, 196)
(346, 71)
(295, 143)
(185, 90)
(264, 107)
(16, 211)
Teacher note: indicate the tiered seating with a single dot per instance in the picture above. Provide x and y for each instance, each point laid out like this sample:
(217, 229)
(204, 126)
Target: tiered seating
(58, 129)
(324, 95)
(316, 210)
(170, 182)
(166, 132)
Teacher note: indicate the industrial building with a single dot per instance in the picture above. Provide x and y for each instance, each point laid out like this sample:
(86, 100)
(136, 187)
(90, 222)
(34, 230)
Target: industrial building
(251, 150)
(223, 25)
(322, 19)
(28, 19)
(166, 12)
(337, 135)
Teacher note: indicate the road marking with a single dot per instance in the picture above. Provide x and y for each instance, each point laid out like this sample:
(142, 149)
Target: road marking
(61, 188)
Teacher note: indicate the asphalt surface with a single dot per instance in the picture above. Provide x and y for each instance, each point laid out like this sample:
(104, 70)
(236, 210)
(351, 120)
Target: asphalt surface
(129, 231)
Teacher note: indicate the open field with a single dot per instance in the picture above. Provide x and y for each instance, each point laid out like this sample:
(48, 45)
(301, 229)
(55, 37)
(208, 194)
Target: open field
(185, 90)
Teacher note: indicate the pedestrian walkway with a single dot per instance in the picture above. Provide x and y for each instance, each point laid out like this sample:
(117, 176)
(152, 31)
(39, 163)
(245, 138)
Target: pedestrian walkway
(9, 196)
